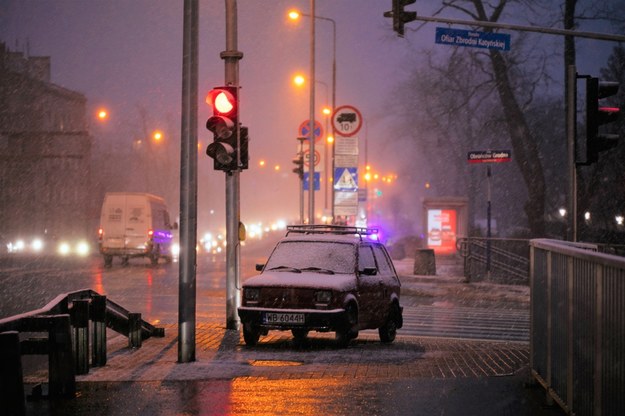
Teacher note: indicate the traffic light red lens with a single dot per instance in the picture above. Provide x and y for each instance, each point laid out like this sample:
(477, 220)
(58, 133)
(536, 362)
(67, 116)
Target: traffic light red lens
(222, 101)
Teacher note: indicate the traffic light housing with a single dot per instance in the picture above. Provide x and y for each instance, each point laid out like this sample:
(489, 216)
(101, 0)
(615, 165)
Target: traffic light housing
(224, 124)
(299, 165)
(400, 16)
(596, 116)
(243, 148)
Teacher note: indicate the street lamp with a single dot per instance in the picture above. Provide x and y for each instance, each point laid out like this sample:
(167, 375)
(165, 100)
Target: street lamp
(102, 114)
(294, 15)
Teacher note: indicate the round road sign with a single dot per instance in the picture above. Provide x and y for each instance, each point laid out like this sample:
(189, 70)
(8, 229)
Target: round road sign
(304, 130)
(307, 157)
(346, 120)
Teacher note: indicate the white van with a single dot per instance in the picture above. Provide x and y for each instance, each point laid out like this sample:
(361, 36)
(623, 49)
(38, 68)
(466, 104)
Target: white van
(135, 225)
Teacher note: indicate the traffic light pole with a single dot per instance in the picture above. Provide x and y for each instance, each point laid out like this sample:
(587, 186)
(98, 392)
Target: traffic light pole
(231, 57)
(571, 133)
(188, 186)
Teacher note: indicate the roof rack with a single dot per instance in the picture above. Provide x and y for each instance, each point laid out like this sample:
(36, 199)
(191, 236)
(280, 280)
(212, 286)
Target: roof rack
(330, 229)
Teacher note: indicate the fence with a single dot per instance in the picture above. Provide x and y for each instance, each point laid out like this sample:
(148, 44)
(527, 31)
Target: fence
(577, 333)
(65, 321)
(502, 259)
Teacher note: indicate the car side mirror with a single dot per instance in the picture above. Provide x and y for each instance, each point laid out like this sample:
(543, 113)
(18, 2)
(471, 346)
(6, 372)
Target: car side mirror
(370, 271)
(259, 267)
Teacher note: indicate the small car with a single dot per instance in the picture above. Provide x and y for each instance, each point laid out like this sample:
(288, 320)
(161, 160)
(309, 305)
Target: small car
(327, 279)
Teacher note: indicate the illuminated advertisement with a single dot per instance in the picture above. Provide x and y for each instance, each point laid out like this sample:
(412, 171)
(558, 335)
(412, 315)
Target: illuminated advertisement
(442, 230)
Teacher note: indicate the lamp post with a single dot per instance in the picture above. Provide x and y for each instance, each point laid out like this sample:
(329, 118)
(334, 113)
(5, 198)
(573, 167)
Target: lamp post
(300, 80)
(294, 14)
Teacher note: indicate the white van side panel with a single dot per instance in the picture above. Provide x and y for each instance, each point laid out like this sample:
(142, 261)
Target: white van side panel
(113, 221)
(138, 222)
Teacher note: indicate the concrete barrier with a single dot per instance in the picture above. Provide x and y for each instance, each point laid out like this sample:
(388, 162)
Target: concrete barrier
(424, 262)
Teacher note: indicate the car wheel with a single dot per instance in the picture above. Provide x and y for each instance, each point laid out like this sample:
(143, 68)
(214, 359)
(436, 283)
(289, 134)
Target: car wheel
(346, 334)
(251, 334)
(388, 331)
(108, 261)
(154, 256)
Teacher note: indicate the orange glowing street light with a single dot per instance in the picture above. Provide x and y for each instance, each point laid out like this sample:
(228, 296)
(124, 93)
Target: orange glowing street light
(299, 80)
(157, 135)
(102, 114)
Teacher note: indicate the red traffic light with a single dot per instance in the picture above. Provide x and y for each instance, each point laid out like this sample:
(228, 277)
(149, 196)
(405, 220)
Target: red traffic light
(223, 100)
(224, 120)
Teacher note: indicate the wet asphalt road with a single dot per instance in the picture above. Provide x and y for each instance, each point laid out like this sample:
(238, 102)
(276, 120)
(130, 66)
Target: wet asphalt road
(371, 390)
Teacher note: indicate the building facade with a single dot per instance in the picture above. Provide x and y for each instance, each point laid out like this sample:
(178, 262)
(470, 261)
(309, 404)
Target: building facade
(44, 153)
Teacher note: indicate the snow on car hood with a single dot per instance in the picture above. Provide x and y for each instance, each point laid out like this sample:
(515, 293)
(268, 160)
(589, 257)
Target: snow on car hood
(313, 280)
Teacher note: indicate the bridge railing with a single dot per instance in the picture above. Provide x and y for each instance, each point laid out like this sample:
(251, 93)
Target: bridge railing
(577, 333)
(64, 324)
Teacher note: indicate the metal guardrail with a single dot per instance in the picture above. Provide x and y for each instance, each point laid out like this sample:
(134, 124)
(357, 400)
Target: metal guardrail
(577, 333)
(65, 320)
(502, 259)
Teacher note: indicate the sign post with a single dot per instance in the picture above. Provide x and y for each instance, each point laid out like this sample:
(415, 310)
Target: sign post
(488, 156)
(346, 122)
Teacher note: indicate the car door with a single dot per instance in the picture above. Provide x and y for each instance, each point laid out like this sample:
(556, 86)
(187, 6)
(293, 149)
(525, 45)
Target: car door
(369, 288)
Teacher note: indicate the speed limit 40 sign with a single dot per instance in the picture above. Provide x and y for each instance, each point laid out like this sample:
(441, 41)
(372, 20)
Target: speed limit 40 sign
(346, 120)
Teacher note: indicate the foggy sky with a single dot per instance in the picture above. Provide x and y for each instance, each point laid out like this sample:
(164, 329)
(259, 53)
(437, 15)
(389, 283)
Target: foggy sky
(125, 54)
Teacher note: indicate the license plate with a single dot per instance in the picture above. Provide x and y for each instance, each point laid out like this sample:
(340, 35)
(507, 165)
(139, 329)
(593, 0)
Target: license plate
(283, 318)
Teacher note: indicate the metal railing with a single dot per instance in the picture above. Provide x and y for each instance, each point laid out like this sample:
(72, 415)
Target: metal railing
(502, 259)
(65, 321)
(577, 333)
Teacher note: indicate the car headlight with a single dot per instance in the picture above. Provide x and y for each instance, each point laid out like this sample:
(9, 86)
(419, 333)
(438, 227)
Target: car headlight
(323, 296)
(82, 248)
(37, 245)
(251, 294)
(64, 249)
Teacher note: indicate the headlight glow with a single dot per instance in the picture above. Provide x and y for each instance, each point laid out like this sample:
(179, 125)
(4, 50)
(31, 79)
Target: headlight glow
(64, 249)
(37, 245)
(82, 248)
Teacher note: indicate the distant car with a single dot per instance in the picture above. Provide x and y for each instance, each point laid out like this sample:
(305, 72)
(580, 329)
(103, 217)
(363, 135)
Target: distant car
(326, 279)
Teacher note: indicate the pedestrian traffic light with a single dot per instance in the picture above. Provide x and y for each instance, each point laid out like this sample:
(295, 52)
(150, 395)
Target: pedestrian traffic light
(299, 165)
(400, 16)
(596, 115)
(224, 124)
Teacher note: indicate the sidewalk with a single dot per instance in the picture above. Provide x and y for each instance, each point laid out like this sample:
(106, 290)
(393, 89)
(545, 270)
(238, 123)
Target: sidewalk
(414, 375)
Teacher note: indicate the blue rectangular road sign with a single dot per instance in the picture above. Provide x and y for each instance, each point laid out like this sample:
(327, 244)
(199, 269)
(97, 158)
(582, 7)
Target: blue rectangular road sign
(316, 181)
(470, 38)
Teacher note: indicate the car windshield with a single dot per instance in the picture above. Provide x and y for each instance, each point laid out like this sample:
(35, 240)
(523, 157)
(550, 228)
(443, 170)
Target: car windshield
(319, 256)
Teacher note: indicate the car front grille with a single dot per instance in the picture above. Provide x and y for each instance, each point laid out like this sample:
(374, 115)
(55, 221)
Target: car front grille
(286, 298)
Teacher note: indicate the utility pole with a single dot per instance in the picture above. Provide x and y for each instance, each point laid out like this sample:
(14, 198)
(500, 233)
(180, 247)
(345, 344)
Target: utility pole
(311, 155)
(231, 57)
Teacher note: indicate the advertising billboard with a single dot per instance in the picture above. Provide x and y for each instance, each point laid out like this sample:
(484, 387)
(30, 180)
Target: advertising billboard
(442, 230)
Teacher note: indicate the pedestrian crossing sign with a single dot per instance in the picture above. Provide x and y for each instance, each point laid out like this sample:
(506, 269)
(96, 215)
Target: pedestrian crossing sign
(346, 179)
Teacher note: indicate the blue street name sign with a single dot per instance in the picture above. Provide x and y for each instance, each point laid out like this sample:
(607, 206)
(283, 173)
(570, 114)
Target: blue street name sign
(316, 181)
(486, 40)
